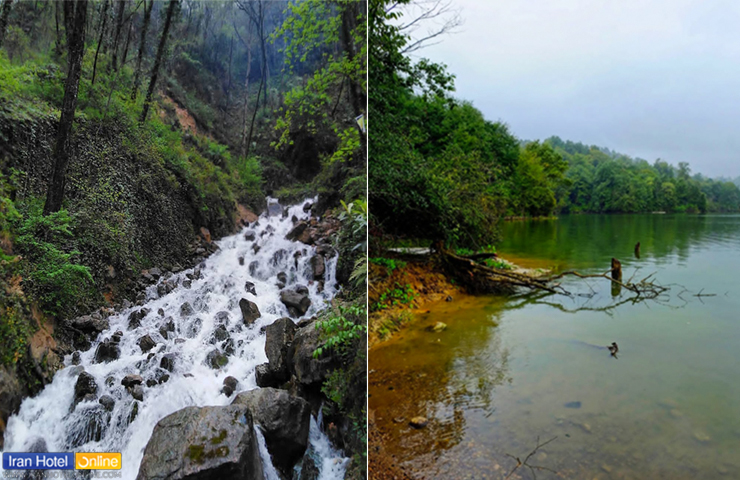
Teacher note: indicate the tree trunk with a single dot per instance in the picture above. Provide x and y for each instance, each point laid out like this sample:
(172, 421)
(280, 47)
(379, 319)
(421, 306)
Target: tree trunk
(158, 60)
(128, 40)
(142, 46)
(245, 148)
(58, 42)
(119, 26)
(77, 11)
(4, 14)
(357, 95)
(103, 20)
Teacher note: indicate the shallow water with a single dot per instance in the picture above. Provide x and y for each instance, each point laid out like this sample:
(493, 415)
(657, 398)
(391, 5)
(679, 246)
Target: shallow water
(507, 371)
(51, 416)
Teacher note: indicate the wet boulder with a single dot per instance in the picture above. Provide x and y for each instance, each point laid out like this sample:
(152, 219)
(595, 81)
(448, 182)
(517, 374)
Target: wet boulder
(107, 402)
(107, 351)
(186, 310)
(76, 358)
(215, 359)
(307, 369)
(220, 334)
(318, 266)
(85, 388)
(137, 391)
(266, 377)
(205, 443)
(230, 384)
(249, 288)
(282, 278)
(168, 362)
(167, 326)
(221, 318)
(253, 266)
(250, 236)
(131, 379)
(297, 231)
(135, 318)
(278, 342)
(296, 300)
(250, 312)
(90, 324)
(146, 343)
(285, 421)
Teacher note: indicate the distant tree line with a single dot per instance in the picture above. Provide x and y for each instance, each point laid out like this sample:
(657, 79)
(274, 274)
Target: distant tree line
(439, 170)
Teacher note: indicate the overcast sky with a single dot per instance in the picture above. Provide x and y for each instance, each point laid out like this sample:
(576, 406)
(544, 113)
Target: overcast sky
(649, 78)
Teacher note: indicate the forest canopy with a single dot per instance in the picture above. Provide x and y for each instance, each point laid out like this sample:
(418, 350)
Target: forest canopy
(440, 170)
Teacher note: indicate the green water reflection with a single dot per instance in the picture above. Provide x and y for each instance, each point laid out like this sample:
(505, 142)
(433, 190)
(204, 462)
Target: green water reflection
(503, 372)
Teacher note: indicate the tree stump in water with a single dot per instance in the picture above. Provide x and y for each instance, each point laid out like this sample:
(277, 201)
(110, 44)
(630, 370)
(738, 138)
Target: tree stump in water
(637, 250)
(616, 269)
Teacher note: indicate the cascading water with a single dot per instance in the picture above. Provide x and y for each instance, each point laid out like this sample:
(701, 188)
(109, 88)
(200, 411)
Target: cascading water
(199, 329)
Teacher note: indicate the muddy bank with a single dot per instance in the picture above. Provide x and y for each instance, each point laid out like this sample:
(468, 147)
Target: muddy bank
(396, 294)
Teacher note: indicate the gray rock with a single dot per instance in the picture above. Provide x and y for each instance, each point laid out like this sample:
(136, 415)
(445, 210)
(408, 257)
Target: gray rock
(220, 334)
(250, 236)
(285, 421)
(249, 287)
(215, 359)
(296, 231)
(76, 358)
(253, 266)
(84, 386)
(137, 392)
(168, 361)
(186, 310)
(222, 318)
(90, 324)
(107, 402)
(208, 443)
(318, 265)
(250, 312)
(155, 272)
(307, 369)
(146, 343)
(230, 384)
(107, 351)
(296, 301)
(266, 377)
(131, 379)
(278, 342)
(274, 209)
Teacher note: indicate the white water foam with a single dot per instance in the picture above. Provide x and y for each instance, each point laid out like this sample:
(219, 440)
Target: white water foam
(50, 415)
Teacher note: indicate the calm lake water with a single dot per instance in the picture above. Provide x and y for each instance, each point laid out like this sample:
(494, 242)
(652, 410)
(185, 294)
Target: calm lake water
(510, 370)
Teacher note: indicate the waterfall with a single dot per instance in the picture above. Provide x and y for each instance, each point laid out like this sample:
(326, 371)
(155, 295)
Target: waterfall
(198, 330)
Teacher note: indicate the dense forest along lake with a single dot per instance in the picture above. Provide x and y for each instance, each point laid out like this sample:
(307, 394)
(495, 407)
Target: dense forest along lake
(509, 370)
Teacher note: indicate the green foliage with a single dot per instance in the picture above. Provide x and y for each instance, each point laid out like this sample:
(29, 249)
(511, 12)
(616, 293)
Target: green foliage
(602, 181)
(15, 330)
(51, 271)
(342, 326)
(390, 264)
(495, 263)
(396, 296)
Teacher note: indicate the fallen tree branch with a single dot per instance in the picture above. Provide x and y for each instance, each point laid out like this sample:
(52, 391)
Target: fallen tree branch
(525, 463)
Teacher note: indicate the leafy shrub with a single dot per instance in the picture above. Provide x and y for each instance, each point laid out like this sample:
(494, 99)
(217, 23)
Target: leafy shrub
(343, 325)
(389, 263)
(400, 295)
(57, 281)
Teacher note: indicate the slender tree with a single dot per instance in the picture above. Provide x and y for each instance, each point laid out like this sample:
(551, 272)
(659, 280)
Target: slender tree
(103, 20)
(4, 14)
(158, 61)
(142, 46)
(119, 27)
(75, 13)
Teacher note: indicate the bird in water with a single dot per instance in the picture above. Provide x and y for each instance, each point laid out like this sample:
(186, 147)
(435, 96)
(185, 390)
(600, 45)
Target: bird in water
(613, 348)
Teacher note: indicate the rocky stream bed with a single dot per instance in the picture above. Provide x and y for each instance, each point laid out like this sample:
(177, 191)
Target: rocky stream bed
(182, 382)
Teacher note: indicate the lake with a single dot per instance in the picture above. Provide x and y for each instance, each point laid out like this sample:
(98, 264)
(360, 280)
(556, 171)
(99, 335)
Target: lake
(509, 372)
